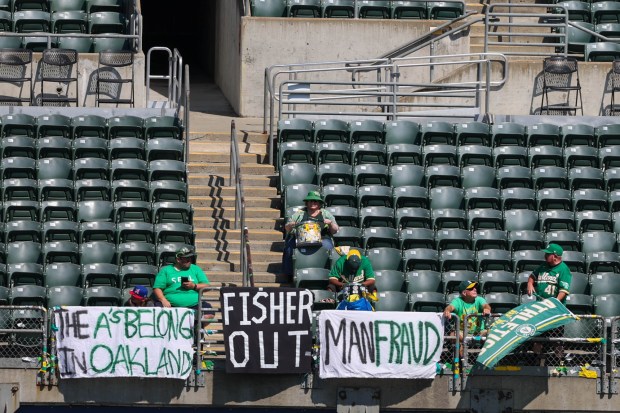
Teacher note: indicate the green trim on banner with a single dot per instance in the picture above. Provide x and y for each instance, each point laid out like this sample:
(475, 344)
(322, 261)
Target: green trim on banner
(519, 325)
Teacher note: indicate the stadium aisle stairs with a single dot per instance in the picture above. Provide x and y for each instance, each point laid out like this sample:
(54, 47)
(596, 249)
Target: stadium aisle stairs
(217, 242)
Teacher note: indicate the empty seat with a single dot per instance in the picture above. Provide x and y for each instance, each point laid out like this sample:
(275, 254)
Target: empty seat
(607, 305)
(543, 134)
(585, 177)
(409, 10)
(171, 212)
(478, 176)
(22, 231)
(592, 221)
(457, 259)
(579, 134)
(97, 252)
(514, 176)
(106, 296)
(568, 240)
(27, 273)
(57, 211)
(413, 218)
(453, 238)
(527, 260)
(135, 252)
(392, 301)
(525, 240)
(366, 131)
(581, 156)
(60, 251)
(64, 295)
(92, 190)
(607, 135)
(99, 274)
(604, 261)
(489, 239)
(590, 199)
(510, 156)
(482, 197)
(311, 257)
(508, 133)
(407, 175)
(423, 281)
(575, 260)
(421, 259)
(60, 231)
(446, 197)
(370, 174)
(557, 221)
(125, 211)
(494, 259)
(404, 153)
(549, 177)
(501, 302)
(437, 132)
(345, 215)
(385, 259)
(474, 155)
(518, 198)
(294, 130)
(375, 237)
(389, 280)
(604, 283)
(376, 216)
(553, 199)
(448, 218)
(137, 274)
(130, 189)
(520, 220)
(439, 155)
(410, 238)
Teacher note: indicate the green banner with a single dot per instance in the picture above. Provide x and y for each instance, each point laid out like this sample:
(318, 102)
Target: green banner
(521, 324)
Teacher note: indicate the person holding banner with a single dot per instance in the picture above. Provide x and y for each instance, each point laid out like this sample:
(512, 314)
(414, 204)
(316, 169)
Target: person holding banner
(177, 285)
(311, 226)
(468, 302)
(551, 279)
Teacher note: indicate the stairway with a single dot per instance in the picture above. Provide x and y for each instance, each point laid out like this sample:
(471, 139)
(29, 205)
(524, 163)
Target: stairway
(217, 242)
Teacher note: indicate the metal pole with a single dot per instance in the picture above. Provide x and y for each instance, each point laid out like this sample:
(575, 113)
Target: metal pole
(186, 113)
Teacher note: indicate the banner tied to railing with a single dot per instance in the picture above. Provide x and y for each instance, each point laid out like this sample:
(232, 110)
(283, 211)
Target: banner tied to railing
(267, 330)
(379, 345)
(98, 342)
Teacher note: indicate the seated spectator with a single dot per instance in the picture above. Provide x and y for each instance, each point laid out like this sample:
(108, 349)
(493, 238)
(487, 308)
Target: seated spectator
(352, 267)
(321, 226)
(177, 285)
(139, 297)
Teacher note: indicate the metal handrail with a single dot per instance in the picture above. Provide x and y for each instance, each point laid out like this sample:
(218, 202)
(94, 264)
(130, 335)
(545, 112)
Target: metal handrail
(385, 98)
(174, 76)
(239, 222)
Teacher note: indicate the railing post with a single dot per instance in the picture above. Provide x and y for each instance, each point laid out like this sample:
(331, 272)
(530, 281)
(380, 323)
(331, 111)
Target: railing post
(186, 113)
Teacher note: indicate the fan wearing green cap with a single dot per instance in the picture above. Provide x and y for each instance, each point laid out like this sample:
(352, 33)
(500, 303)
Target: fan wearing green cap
(312, 212)
(551, 279)
(468, 302)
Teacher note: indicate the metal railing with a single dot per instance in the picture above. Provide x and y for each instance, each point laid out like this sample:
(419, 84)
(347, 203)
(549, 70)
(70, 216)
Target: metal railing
(23, 336)
(174, 76)
(520, 32)
(239, 223)
(209, 334)
(386, 88)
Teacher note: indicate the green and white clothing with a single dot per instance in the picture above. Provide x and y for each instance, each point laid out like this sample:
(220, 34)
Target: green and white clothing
(463, 309)
(302, 216)
(168, 279)
(549, 281)
(342, 272)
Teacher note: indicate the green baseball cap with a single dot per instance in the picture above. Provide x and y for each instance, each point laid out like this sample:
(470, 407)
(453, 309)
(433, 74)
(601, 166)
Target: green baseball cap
(554, 249)
(313, 196)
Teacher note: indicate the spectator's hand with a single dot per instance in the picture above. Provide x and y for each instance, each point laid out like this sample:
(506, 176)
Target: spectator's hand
(327, 222)
(166, 303)
(447, 314)
(486, 311)
(530, 289)
(188, 285)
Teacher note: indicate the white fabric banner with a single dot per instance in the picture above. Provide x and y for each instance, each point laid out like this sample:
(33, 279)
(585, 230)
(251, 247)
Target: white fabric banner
(124, 342)
(379, 345)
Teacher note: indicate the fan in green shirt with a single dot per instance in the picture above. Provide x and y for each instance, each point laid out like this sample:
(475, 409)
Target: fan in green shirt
(177, 285)
(553, 278)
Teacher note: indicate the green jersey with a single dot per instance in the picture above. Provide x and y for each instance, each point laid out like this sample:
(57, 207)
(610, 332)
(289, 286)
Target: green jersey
(549, 281)
(463, 309)
(342, 271)
(168, 279)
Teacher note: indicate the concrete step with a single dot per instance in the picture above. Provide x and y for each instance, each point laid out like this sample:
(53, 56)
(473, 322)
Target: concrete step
(249, 180)
(229, 201)
(242, 137)
(251, 223)
(208, 235)
(229, 213)
(259, 277)
(224, 147)
(228, 191)
(228, 244)
(210, 266)
(223, 168)
(232, 256)
(224, 157)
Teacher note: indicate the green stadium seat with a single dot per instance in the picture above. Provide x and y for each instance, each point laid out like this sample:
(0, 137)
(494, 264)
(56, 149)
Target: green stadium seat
(328, 173)
(543, 134)
(553, 199)
(489, 239)
(493, 260)
(607, 135)
(348, 236)
(142, 232)
(448, 218)
(402, 132)
(514, 177)
(92, 190)
(409, 10)
(67, 5)
(377, 237)
(304, 8)
(392, 301)
(369, 153)
(374, 196)
(370, 174)
(373, 9)
(404, 153)
(389, 280)
(331, 130)
(525, 240)
(477, 176)
(361, 131)
(105, 296)
(296, 151)
(131, 148)
(427, 301)
(605, 12)
(19, 189)
(579, 304)
(406, 175)
(70, 21)
(457, 260)
(129, 190)
(421, 259)
(502, 302)
(469, 155)
(601, 52)
(60, 251)
(497, 282)
(163, 127)
(543, 156)
(579, 134)
(577, 156)
(137, 274)
(568, 240)
(310, 257)
(589, 199)
(592, 221)
(167, 191)
(95, 211)
(575, 260)
(549, 177)
(604, 283)
(472, 133)
(453, 238)
(445, 10)
(437, 132)
(376, 216)
(439, 155)
(338, 195)
(609, 157)
(443, 175)
(410, 238)
(17, 146)
(604, 261)
(556, 220)
(57, 211)
(338, 8)
(521, 220)
(311, 278)
(424, 281)
(21, 210)
(385, 258)
(15, 231)
(410, 197)
(59, 231)
(30, 21)
(508, 133)
(97, 252)
(510, 156)
(413, 218)
(64, 295)
(25, 274)
(135, 252)
(268, 8)
(482, 197)
(578, 38)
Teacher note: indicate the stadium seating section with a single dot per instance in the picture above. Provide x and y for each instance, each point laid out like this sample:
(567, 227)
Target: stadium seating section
(366, 9)
(97, 17)
(434, 203)
(90, 206)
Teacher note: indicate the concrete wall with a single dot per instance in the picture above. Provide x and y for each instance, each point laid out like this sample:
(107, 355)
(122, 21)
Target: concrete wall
(227, 70)
(269, 41)
(86, 73)
(482, 393)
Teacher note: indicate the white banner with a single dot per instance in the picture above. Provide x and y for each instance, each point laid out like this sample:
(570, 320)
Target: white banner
(380, 345)
(124, 342)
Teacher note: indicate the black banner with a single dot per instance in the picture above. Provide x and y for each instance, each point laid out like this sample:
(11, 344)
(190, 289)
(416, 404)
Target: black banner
(267, 330)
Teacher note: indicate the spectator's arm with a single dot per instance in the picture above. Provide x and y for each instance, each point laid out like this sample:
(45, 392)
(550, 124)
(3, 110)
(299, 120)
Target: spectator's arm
(562, 295)
(369, 282)
(447, 313)
(530, 284)
(159, 294)
(336, 282)
(486, 309)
